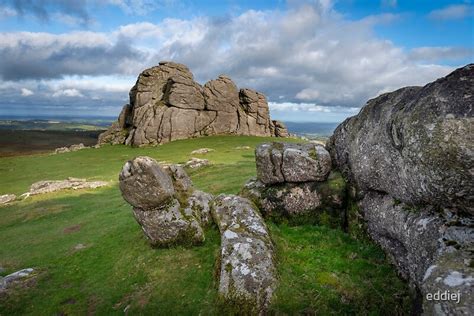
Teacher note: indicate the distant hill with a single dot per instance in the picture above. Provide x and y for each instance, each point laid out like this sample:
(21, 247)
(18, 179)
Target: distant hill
(311, 129)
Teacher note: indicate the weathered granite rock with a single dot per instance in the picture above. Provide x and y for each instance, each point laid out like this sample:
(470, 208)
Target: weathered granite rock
(181, 181)
(247, 277)
(431, 248)
(166, 104)
(74, 147)
(15, 277)
(199, 205)
(168, 225)
(280, 129)
(201, 151)
(144, 184)
(160, 202)
(300, 203)
(7, 198)
(415, 143)
(195, 163)
(287, 162)
(48, 186)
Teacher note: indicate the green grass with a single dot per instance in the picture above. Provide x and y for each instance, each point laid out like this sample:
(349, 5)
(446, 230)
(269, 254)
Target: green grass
(325, 272)
(117, 268)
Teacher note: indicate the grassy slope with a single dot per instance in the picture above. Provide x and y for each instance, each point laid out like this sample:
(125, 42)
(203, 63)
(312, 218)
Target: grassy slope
(321, 270)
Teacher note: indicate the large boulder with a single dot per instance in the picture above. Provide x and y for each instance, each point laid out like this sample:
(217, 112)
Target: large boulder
(409, 156)
(415, 143)
(287, 162)
(159, 200)
(247, 276)
(166, 104)
(144, 184)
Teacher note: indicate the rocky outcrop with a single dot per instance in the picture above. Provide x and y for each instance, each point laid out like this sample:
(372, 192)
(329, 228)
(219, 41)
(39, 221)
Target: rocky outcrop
(415, 143)
(409, 156)
(7, 198)
(48, 186)
(247, 276)
(166, 104)
(160, 202)
(294, 183)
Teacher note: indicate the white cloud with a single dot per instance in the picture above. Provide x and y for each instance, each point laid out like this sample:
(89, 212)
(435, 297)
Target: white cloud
(26, 92)
(438, 53)
(308, 53)
(452, 12)
(71, 93)
(309, 107)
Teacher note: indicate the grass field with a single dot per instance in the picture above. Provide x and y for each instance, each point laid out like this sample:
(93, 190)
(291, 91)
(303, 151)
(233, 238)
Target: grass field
(321, 270)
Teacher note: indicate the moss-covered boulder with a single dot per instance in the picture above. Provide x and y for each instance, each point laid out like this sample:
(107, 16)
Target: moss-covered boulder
(300, 203)
(247, 272)
(161, 202)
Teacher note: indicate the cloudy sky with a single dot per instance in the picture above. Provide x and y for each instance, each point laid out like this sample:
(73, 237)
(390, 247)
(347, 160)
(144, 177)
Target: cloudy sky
(315, 60)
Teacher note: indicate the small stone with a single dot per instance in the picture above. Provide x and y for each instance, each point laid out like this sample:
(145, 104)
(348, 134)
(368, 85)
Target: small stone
(195, 163)
(201, 151)
(79, 247)
(7, 198)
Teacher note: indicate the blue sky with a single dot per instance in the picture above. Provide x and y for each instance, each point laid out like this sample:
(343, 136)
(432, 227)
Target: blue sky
(315, 60)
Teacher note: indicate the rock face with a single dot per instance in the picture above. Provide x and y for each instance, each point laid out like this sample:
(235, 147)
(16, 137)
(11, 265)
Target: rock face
(286, 162)
(433, 250)
(292, 184)
(166, 104)
(409, 155)
(415, 144)
(49, 186)
(159, 200)
(248, 275)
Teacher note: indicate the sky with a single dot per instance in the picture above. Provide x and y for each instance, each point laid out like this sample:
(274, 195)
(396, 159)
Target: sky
(316, 61)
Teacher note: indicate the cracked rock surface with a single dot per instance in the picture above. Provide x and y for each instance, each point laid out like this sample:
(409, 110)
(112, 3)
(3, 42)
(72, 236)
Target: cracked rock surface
(248, 276)
(287, 162)
(166, 104)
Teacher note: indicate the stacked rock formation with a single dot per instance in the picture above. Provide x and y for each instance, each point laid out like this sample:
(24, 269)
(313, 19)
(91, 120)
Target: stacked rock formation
(409, 155)
(166, 104)
(171, 212)
(294, 181)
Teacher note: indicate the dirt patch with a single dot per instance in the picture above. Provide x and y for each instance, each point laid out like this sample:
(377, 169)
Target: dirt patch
(72, 229)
